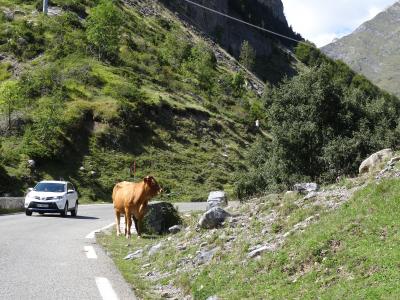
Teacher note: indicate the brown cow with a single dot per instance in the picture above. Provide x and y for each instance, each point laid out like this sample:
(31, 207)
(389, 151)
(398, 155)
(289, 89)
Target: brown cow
(131, 198)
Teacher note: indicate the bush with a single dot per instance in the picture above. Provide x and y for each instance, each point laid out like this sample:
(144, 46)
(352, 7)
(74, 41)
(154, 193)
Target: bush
(103, 29)
(25, 39)
(321, 128)
(44, 138)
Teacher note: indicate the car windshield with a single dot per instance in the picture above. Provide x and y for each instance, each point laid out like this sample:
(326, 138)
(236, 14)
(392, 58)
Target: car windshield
(49, 187)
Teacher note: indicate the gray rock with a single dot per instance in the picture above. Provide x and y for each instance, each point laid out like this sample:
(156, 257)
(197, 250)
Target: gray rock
(215, 297)
(175, 229)
(9, 15)
(310, 195)
(134, 255)
(155, 249)
(306, 188)
(259, 251)
(217, 199)
(204, 257)
(160, 217)
(31, 163)
(213, 218)
(374, 160)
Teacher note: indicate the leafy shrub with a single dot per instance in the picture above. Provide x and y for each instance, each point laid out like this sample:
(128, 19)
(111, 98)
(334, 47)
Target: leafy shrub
(321, 128)
(103, 29)
(44, 138)
(201, 63)
(42, 81)
(67, 35)
(25, 39)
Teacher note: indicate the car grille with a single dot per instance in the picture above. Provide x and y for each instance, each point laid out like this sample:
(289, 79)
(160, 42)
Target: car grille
(50, 205)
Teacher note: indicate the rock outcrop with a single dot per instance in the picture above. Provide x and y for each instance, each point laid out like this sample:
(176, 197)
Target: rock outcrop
(372, 162)
(160, 217)
(230, 34)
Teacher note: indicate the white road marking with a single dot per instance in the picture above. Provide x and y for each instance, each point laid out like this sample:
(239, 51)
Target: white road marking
(90, 253)
(105, 289)
(92, 234)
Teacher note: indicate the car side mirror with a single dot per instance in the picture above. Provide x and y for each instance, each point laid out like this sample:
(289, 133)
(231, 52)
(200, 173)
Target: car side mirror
(30, 190)
(70, 191)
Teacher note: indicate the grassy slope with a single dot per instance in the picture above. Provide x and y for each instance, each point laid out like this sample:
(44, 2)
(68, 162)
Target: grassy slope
(350, 253)
(181, 135)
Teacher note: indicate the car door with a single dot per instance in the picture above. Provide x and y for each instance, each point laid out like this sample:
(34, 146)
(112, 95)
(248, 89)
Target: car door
(71, 195)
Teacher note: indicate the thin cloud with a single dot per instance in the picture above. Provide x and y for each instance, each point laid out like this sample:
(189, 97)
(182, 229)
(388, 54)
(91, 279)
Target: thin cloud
(323, 21)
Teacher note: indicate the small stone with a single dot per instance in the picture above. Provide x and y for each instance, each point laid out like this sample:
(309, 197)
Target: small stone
(181, 247)
(134, 255)
(306, 187)
(156, 248)
(259, 251)
(311, 195)
(165, 295)
(213, 218)
(175, 229)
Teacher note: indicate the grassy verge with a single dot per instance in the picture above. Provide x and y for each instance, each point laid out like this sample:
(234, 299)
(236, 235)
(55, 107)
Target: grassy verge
(349, 253)
(5, 211)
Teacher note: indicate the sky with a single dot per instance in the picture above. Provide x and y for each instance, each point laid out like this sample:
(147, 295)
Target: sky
(321, 21)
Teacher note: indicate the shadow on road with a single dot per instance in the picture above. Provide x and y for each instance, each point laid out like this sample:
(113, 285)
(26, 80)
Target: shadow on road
(68, 217)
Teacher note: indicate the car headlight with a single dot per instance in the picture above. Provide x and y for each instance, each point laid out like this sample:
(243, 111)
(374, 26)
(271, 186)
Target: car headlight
(59, 197)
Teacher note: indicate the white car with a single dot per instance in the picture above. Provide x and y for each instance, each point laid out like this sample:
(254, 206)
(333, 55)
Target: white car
(52, 197)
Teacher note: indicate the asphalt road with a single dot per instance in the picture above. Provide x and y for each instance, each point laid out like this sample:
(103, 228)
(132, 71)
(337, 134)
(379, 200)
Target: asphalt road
(49, 257)
(44, 257)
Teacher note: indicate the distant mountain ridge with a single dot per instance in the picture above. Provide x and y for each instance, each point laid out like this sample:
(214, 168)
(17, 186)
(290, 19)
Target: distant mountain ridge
(373, 49)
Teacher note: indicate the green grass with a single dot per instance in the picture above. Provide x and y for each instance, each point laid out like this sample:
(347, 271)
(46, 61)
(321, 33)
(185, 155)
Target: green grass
(5, 211)
(350, 253)
(174, 129)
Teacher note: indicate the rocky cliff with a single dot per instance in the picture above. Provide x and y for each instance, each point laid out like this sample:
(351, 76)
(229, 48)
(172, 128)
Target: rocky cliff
(374, 49)
(230, 34)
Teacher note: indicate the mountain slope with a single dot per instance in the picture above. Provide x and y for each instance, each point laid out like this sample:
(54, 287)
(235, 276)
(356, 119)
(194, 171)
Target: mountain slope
(87, 107)
(373, 49)
(272, 63)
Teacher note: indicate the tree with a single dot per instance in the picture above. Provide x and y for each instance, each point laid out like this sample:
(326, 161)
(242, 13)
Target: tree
(103, 29)
(10, 99)
(247, 55)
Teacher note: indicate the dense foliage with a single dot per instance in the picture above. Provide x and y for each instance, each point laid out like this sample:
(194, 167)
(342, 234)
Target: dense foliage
(323, 123)
(98, 85)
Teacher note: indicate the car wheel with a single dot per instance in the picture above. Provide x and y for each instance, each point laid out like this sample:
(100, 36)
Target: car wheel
(64, 212)
(28, 212)
(74, 212)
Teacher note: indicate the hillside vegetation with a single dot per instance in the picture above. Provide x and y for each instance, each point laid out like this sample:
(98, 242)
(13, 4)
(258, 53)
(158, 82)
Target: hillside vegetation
(340, 243)
(97, 85)
(323, 123)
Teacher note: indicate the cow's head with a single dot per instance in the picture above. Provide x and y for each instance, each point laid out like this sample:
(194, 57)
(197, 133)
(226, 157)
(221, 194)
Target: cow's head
(154, 186)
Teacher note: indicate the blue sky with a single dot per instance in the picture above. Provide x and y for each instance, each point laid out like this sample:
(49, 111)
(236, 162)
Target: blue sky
(321, 21)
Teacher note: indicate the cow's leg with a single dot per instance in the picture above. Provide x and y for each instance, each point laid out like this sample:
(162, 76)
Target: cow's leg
(128, 224)
(139, 227)
(135, 221)
(117, 222)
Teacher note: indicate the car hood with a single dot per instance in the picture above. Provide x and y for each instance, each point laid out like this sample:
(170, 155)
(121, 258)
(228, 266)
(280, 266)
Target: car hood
(44, 194)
